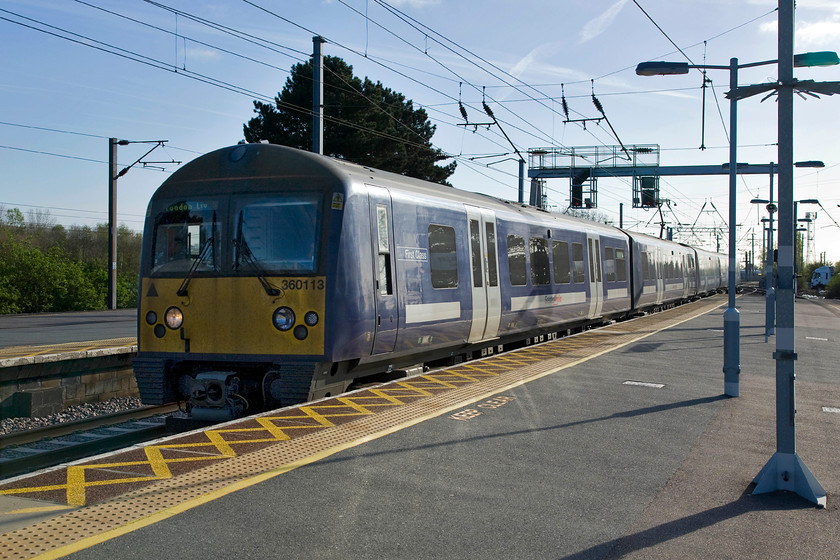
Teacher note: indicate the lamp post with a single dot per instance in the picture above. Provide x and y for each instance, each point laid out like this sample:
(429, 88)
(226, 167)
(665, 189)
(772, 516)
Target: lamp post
(731, 317)
(785, 470)
(770, 292)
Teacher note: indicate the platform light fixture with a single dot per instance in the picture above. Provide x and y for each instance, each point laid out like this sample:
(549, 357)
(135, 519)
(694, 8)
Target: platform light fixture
(731, 317)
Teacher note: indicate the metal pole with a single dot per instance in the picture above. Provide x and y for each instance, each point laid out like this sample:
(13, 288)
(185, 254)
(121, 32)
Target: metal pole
(785, 470)
(318, 95)
(770, 301)
(731, 317)
(521, 181)
(620, 214)
(112, 223)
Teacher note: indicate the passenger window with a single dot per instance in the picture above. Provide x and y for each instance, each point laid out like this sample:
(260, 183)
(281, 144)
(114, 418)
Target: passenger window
(609, 264)
(385, 284)
(594, 261)
(475, 249)
(620, 266)
(560, 254)
(539, 261)
(516, 260)
(443, 260)
(577, 263)
(492, 271)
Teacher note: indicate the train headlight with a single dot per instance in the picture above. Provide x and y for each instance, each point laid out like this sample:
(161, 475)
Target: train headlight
(151, 317)
(301, 332)
(173, 318)
(311, 318)
(284, 318)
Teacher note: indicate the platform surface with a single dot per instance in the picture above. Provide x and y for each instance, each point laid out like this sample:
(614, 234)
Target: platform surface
(41, 329)
(585, 450)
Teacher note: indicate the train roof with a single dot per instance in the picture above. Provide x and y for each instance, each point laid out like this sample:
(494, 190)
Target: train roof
(282, 162)
(271, 160)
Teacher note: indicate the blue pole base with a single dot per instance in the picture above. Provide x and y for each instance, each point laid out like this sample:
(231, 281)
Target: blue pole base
(786, 471)
(731, 352)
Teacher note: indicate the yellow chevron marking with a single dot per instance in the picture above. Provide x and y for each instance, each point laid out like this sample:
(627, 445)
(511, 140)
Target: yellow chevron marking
(321, 419)
(384, 394)
(75, 486)
(355, 406)
(157, 462)
(223, 446)
(417, 390)
(272, 428)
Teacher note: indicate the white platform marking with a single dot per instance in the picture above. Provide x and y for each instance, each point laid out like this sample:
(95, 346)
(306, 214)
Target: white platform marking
(644, 384)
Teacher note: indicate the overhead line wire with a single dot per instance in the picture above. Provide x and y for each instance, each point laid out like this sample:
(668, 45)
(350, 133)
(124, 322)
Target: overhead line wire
(136, 57)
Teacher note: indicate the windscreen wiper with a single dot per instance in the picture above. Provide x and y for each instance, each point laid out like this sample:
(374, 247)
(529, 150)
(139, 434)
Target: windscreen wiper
(205, 250)
(245, 253)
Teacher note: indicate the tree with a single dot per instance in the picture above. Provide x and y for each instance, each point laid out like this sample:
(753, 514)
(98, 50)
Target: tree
(365, 122)
(46, 267)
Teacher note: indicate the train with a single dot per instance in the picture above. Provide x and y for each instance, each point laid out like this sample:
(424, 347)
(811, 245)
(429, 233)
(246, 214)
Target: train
(272, 276)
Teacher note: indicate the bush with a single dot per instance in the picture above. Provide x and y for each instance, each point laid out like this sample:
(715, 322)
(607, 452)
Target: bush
(33, 281)
(45, 267)
(833, 289)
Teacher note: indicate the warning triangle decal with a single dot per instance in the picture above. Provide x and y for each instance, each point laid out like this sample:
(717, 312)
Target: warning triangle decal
(152, 291)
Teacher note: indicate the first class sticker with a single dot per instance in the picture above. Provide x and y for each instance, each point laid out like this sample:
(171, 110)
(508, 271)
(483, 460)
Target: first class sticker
(416, 254)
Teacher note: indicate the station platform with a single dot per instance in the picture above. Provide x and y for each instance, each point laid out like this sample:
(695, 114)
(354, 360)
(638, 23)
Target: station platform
(27, 336)
(614, 443)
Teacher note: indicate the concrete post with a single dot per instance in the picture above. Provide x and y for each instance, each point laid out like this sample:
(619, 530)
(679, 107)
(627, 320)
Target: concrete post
(112, 223)
(318, 95)
(731, 317)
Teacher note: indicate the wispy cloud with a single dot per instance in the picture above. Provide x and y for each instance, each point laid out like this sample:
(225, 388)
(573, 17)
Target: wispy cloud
(598, 25)
(813, 31)
(819, 33)
(526, 61)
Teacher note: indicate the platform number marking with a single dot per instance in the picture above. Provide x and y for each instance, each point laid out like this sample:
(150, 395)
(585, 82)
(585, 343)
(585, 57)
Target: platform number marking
(470, 413)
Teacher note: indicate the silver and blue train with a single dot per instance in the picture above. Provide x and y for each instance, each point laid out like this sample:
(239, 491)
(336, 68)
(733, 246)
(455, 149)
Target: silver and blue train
(272, 276)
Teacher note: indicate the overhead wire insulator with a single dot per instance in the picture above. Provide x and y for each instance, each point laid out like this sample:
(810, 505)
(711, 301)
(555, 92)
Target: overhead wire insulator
(487, 109)
(463, 112)
(563, 102)
(596, 102)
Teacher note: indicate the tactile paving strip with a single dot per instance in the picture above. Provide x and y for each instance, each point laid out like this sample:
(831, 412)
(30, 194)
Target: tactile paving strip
(293, 437)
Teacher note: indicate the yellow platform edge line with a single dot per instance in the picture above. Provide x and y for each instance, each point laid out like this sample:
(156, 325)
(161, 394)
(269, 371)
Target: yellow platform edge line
(172, 511)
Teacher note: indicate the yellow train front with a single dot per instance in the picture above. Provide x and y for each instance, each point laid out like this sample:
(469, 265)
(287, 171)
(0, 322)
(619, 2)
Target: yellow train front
(233, 283)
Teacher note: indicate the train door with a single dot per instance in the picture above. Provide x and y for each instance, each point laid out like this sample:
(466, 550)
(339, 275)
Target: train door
(385, 286)
(660, 277)
(596, 285)
(486, 295)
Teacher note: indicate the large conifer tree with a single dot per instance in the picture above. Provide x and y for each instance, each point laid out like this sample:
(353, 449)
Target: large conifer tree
(365, 122)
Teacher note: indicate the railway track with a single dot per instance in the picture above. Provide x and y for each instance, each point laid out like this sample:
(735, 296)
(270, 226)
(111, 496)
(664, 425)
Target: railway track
(30, 450)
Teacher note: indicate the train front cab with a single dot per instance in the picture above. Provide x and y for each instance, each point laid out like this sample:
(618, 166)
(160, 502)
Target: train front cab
(232, 309)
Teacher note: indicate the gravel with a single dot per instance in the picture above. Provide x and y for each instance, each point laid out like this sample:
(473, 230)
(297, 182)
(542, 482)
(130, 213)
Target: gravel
(77, 412)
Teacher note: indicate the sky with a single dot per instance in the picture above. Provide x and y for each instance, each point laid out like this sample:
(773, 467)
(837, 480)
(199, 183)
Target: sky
(75, 73)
